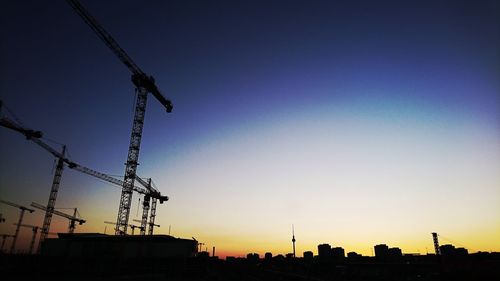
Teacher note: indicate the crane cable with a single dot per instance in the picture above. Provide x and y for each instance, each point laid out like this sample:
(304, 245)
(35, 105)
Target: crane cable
(454, 242)
(2, 104)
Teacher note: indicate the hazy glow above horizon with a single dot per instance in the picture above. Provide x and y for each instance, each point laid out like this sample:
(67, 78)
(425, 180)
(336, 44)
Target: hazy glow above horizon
(341, 177)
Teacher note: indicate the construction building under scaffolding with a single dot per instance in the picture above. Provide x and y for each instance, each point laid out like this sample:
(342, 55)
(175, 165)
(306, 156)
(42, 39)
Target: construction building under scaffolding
(93, 245)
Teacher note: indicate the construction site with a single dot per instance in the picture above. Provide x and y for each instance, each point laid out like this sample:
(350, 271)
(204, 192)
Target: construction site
(125, 243)
(133, 247)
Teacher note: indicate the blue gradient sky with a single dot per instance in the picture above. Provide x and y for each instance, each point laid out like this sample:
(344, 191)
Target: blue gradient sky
(361, 122)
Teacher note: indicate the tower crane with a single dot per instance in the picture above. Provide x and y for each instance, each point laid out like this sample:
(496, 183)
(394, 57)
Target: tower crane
(145, 206)
(72, 219)
(4, 237)
(436, 243)
(110, 222)
(132, 226)
(152, 216)
(20, 221)
(35, 136)
(34, 228)
(144, 84)
(75, 215)
(151, 225)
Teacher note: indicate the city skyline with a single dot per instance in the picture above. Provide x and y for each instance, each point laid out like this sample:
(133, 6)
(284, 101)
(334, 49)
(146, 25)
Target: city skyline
(359, 123)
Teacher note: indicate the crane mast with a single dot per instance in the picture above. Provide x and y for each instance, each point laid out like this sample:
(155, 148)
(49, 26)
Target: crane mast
(146, 206)
(144, 84)
(49, 210)
(145, 211)
(436, 243)
(152, 216)
(132, 162)
(4, 238)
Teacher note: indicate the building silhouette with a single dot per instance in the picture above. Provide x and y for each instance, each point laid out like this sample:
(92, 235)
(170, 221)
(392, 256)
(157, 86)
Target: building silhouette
(308, 255)
(381, 251)
(449, 250)
(253, 257)
(395, 252)
(268, 256)
(338, 253)
(353, 255)
(324, 250)
(93, 245)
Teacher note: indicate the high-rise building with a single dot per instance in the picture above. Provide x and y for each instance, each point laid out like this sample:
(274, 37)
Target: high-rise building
(447, 249)
(353, 255)
(450, 250)
(324, 250)
(338, 253)
(253, 257)
(308, 255)
(381, 251)
(395, 252)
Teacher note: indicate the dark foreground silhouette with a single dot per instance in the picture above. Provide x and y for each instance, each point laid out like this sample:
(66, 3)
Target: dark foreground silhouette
(478, 266)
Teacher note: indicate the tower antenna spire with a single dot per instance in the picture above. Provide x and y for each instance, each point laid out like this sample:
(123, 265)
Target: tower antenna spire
(293, 240)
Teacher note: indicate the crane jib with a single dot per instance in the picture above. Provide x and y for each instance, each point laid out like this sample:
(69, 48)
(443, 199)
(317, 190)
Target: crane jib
(139, 78)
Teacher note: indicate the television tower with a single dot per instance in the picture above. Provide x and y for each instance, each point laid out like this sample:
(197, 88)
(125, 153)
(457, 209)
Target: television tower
(293, 241)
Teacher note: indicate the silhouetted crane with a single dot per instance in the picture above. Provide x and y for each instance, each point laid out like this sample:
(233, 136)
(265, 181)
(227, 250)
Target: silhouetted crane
(144, 84)
(76, 214)
(33, 237)
(72, 219)
(4, 238)
(436, 243)
(34, 136)
(132, 226)
(20, 221)
(151, 225)
(34, 228)
(145, 206)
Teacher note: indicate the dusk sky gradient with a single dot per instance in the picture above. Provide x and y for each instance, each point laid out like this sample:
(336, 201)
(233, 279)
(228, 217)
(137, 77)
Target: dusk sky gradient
(360, 122)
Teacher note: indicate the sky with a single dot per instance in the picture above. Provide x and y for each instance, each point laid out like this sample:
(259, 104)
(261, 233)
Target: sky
(359, 122)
